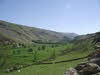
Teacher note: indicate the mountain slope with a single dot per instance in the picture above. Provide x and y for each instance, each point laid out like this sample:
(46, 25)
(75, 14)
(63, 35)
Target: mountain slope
(91, 66)
(26, 34)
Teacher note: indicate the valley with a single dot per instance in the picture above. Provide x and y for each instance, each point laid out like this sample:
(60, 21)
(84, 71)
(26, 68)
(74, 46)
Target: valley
(26, 49)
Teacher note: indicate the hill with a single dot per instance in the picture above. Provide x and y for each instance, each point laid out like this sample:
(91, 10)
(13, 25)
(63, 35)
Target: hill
(92, 65)
(25, 34)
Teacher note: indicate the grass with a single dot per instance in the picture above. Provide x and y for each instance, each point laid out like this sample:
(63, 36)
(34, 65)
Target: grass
(49, 53)
(50, 69)
(22, 56)
(72, 55)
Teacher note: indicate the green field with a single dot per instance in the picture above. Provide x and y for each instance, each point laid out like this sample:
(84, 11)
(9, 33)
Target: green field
(35, 54)
(50, 69)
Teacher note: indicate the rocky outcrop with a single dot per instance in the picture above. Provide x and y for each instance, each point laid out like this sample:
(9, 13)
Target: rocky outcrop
(91, 67)
(88, 69)
(71, 71)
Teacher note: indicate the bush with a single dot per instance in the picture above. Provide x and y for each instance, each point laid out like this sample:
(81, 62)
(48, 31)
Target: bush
(30, 50)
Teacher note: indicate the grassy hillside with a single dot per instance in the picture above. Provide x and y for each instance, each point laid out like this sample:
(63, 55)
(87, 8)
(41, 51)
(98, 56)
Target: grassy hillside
(26, 34)
(46, 53)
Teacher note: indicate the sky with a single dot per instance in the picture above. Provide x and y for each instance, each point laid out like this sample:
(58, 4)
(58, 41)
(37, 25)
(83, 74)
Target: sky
(78, 16)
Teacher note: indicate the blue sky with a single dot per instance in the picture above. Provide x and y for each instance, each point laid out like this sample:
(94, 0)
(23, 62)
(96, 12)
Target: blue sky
(78, 16)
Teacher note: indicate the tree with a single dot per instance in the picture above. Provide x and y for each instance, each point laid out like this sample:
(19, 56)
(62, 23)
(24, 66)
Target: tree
(30, 50)
(43, 47)
(14, 52)
(35, 56)
(53, 55)
(39, 48)
(52, 46)
(18, 51)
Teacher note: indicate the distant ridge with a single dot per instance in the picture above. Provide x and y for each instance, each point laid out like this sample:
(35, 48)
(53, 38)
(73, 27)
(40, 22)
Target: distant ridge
(25, 34)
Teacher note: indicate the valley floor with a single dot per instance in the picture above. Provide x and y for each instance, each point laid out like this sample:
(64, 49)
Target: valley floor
(51, 69)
